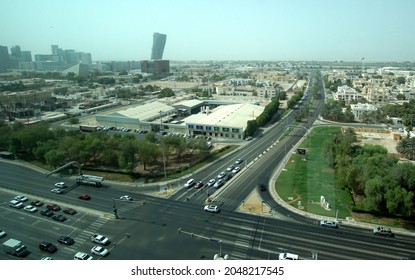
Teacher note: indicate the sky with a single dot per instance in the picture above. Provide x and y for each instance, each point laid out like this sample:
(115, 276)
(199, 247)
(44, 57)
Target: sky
(271, 30)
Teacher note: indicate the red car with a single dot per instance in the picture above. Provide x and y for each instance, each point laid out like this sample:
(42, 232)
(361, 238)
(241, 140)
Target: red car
(198, 185)
(53, 207)
(84, 197)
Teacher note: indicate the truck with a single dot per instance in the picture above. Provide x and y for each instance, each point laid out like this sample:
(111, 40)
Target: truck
(15, 247)
(90, 180)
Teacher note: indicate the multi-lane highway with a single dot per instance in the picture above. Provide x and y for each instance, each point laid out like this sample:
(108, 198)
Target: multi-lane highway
(150, 230)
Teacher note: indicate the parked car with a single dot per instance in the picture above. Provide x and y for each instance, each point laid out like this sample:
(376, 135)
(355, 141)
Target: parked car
(383, 231)
(21, 198)
(66, 240)
(70, 211)
(329, 224)
(53, 207)
(211, 208)
(16, 204)
(37, 203)
(85, 197)
(60, 218)
(198, 185)
(48, 247)
(46, 212)
(2, 233)
(100, 251)
(30, 208)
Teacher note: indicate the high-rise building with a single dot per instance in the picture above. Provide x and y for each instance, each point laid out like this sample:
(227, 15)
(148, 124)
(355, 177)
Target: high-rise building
(159, 41)
(4, 57)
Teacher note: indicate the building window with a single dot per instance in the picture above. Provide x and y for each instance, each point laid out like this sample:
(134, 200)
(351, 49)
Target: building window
(208, 128)
(190, 126)
(199, 127)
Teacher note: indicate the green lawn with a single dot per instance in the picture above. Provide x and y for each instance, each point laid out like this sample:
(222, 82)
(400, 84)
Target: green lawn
(308, 177)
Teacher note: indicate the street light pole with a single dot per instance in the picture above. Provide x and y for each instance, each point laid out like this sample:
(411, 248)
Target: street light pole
(162, 143)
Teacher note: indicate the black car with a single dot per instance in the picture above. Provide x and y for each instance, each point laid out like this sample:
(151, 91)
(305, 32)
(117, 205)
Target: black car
(47, 212)
(66, 240)
(70, 211)
(37, 203)
(60, 218)
(47, 246)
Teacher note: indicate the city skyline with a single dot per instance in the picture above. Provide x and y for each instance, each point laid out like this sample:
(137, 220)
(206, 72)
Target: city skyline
(215, 30)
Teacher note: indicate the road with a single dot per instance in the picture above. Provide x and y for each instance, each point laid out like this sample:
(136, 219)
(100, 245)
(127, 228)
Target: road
(148, 227)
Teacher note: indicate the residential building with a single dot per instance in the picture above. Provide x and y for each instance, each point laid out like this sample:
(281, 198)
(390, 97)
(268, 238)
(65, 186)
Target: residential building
(359, 109)
(347, 94)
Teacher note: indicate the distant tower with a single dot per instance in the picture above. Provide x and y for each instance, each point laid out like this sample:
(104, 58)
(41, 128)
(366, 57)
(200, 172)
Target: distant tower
(159, 41)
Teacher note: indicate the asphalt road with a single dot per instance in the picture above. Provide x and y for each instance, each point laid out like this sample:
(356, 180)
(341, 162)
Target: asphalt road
(148, 227)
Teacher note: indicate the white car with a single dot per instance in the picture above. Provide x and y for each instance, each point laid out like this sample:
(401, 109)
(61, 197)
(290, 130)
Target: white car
(211, 182)
(100, 239)
(46, 259)
(126, 197)
(60, 185)
(21, 198)
(221, 175)
(30, 208)
(2, 233)
(190, 183)
(56, 191)
(287, 256)
(82, 256)
(236, 170)
(100, 251)
(16, 204)
(212, 208)
(329, 224)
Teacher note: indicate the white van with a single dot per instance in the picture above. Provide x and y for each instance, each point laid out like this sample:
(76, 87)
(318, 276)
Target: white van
(189, 183)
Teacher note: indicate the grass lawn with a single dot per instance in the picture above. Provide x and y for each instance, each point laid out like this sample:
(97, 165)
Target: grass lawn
(308, 177)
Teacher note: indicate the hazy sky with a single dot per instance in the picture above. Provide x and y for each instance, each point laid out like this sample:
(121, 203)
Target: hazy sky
(378, 30)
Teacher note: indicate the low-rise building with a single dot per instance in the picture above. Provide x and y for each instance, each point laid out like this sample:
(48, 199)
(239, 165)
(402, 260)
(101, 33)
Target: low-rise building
(359, 109)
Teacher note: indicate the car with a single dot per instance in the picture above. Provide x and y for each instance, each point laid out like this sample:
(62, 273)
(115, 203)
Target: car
(236, 170)
(37, 203)
(198, 185)
(230, 168)
(288, 256)
(30, 208)
(262, 187)
(189, 183)
(53, 207)
(85, 197)
(56, 190)
(48, 247)
(2, 233)
(249, 138)
(383, 231)
(211, 208)
(69, 211)
(211, 182)
(46, 259)
(239, 161)
(21, 198)
(219, 183)
(61, 218)
(46, 212)
(66, 240)
(60, 185)
(100, 251)
(100, 239)
(82, 256)
(222, 175)
(329, 224)
(126, 197)
(16, 204)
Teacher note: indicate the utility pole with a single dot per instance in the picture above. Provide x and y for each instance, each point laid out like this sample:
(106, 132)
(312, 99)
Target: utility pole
(162, 143)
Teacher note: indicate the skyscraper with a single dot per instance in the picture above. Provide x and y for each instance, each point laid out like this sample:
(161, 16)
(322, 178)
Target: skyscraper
(159, 41)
